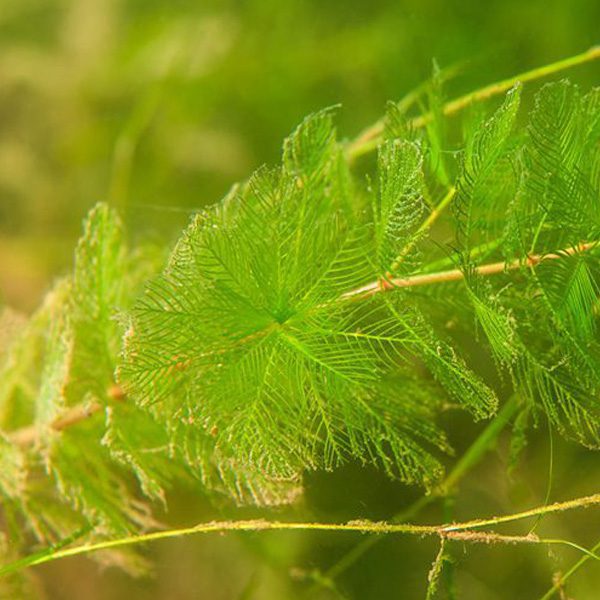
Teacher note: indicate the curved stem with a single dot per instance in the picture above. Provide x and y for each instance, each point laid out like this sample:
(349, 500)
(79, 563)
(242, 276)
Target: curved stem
(370, 137)
(404, 104)
(454, 531)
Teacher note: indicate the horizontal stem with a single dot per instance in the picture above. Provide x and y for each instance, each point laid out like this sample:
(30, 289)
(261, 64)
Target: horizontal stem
(28, 435)
(533, 512)
(383, 285)
(457, 531)
(370, 137)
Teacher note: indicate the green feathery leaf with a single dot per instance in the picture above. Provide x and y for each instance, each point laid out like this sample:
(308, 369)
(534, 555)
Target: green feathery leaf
(248, 323)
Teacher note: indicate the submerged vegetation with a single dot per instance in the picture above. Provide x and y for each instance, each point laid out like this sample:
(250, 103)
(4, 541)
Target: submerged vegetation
(331, 310)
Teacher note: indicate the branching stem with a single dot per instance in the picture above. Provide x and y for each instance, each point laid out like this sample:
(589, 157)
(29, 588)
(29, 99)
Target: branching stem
(467, 531)
(383, 285)
(368, 140)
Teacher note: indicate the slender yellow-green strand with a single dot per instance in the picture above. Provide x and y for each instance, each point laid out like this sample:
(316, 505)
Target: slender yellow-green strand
(562, 579)
(368, 140)
(425, 226)
(463, 531)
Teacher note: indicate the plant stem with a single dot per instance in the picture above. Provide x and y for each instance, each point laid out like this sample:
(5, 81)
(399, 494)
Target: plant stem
(28, 435)
(383, 285)
(533, 512)
(38, 557)
(368, 140)
(452, 531)
(469, 459)
(480, 446)
(561, 579)
(425, 226)
(435, 572)
(404, 104)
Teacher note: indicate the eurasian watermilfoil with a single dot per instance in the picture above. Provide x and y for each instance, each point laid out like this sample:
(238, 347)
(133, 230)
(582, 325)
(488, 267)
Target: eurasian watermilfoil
(308, 320)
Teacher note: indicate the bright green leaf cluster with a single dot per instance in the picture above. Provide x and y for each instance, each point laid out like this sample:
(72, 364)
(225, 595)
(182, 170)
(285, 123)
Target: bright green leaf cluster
(248, 326)
(303, 322)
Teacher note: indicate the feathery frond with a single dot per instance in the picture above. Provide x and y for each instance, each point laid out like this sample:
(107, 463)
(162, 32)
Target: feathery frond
(308, 320)
(247, 322)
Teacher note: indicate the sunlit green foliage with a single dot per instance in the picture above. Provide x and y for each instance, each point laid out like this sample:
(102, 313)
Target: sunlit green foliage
(287, 332)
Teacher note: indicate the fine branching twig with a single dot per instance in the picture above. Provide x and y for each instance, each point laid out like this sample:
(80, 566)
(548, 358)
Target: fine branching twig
(467, 531)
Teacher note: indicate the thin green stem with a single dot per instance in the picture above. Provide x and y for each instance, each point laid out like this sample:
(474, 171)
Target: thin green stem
(425, 226)
(550, 474)
(403, 105)
(437, 211)
(127, 144)
(562, 579)
(369, 139)
(45, 554)
(469, 459)
(588, 553)
(480, 446)
(540, 510)
(458, 531)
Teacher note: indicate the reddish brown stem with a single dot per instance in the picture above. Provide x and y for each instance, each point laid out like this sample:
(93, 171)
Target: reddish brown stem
(28, 435)
(383, 285)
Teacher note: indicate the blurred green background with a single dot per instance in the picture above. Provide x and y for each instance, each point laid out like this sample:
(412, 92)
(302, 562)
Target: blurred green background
(159, 107)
